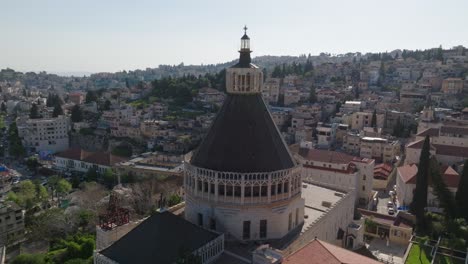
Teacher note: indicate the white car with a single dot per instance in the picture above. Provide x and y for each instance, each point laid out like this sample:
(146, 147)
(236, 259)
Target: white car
(391, 211)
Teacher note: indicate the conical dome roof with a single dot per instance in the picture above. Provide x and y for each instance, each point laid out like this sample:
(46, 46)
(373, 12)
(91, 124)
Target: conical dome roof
(243, 138)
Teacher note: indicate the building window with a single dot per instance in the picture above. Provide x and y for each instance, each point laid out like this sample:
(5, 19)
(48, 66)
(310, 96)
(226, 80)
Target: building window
(289, 221)
(200, 219)
(263, 228)
(364, 177)
(246, 230)
(363, 188)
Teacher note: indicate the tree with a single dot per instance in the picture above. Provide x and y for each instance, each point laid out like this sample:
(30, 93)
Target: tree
(419, 202)
(3, 107)
(107, 105)
(29, 259)
(312, 95)
(57, 110)
(374, 119)
(76, 114)
(461, 196)
(445, 197)
(34, 112)
(63, 187)
(91, 96)
(187, 257)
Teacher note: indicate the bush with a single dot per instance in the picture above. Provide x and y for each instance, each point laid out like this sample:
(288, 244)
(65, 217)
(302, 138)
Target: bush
(29, 259)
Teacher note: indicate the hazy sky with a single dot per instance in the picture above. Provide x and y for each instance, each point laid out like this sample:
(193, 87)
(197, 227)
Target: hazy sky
(99, 35)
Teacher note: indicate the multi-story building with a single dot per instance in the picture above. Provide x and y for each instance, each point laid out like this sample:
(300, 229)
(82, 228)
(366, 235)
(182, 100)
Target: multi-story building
(270, 90)
(44, 134)
(210, 95)
(291, 96)
(352, 106)
(326, 135)
(452, 86)
(359, 120)
(11, 224)
(380, 149)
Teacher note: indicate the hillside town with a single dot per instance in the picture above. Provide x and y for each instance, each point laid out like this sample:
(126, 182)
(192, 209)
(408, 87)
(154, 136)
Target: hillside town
(339, 162)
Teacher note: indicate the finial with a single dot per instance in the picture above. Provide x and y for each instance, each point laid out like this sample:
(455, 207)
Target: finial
(245, 29)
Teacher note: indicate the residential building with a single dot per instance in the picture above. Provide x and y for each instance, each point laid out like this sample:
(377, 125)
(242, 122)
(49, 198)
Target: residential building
(210, 95)
(11, 224)
(452, 86)
(291, 96)
(44, 134)
(379, 149)
(326, 135)
(396, 229)
(359, 120)
(270, 90)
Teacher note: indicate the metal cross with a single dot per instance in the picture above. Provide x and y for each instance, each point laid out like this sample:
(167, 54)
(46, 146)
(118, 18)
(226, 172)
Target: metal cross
(245, 29)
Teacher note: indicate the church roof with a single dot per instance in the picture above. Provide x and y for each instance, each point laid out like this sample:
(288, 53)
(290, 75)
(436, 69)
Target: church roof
(243, 138)
(158, 239)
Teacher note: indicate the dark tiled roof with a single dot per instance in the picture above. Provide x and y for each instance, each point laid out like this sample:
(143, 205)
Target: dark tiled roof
(243, 138)
(158, 239)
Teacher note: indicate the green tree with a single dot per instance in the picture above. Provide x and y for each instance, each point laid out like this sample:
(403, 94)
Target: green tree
(312, 95)
(445, 197)
(63, 187)
(57, 110)
(29, 259)
(374, 119)
(91, 96)
(107, 105)
(461, 196)
(419, 202)
(76, 114)
(91, 174)
(34, 112)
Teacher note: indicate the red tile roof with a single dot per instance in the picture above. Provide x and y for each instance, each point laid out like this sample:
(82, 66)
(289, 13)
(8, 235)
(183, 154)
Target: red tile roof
(382, 170)
(408, 174)
(99, 157)
(320, 252)
(445, 150)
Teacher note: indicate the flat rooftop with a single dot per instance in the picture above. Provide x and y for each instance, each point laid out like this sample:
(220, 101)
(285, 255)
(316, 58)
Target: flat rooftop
(318, 200)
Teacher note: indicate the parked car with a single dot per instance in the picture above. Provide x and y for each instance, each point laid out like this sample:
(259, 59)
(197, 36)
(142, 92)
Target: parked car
(390, 204)
(391, 211)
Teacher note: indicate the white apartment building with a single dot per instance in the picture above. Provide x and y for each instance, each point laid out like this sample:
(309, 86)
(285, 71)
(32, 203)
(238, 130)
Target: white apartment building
(359, 120)
(326, 135)
(45, 134)
(380, 149)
